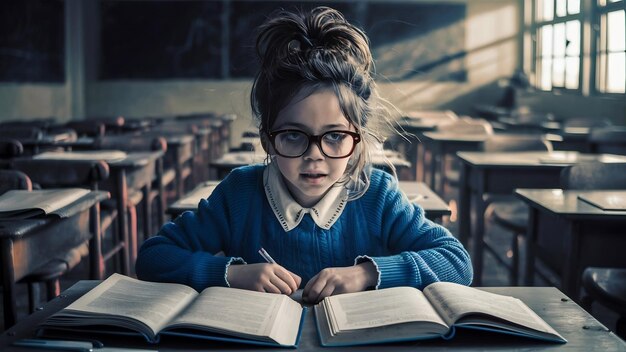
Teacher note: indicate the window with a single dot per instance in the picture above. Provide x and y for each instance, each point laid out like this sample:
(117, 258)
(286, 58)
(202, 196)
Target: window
(555, 49)
(611, 47)
(557, 56)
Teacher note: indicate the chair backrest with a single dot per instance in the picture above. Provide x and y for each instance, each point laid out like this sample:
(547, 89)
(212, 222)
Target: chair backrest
(87, 128)
(516, 143)
(62, 173)
(10, 148)
(13, 179)
(21, 132)
(608, 140)
(594, 175)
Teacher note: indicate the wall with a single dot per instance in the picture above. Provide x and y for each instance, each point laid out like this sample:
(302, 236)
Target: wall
(491, 53)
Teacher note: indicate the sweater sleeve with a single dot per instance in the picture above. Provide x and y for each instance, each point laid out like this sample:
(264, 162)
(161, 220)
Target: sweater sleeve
(423, 252)
(183, 251)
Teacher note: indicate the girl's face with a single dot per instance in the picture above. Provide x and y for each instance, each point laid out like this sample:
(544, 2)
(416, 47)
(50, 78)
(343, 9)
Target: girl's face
(309, 176)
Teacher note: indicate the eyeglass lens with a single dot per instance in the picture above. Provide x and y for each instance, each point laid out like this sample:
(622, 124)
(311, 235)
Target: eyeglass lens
(295, 143)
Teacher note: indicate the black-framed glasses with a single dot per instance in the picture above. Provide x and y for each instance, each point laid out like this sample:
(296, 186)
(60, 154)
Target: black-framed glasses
(334, 144)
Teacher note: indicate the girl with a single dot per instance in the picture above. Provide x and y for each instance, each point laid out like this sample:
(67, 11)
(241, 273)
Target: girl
(332, 223)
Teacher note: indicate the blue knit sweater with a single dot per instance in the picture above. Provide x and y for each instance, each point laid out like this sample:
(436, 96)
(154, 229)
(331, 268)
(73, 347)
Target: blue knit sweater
(381, 226)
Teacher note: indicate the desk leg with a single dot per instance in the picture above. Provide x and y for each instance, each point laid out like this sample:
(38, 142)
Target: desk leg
(8, 284)
(432, 166)
(96, 262)
(531, 240)
(464, 206)
(478, 237)
(571, 272)
(161, 196)
(147, 212)
(122, 214)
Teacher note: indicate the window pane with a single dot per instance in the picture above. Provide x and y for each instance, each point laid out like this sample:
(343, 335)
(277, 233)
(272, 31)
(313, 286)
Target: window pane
(558, 72)
(561, 8)
(547, 13)
(573, 7)
(559, 39)
(571, 72)
(573, 38)
(616, 80)
(616, 28)
(546, 73)
(546, 41)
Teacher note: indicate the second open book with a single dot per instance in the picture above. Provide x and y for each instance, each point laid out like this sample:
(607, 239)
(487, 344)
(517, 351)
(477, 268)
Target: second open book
(405, 313)
(122, 305)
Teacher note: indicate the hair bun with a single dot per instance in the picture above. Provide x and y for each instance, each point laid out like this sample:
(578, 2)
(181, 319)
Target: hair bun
(288, 40)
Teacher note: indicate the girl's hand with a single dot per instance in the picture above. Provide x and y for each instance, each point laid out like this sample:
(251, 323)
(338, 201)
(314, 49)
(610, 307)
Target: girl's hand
(263, 277)
(332, 281)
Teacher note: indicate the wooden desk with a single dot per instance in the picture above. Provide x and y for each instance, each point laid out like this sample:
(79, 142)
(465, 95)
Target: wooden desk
(419, 192)
(440, 145)
(571, 234)
(583, 332)
(26, 244)
(135, 171)
(501, 173)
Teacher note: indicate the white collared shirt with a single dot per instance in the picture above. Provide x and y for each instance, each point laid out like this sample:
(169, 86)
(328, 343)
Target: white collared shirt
(289, 212)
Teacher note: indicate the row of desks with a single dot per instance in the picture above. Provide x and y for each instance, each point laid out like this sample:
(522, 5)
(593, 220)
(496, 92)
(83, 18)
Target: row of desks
(502, 173)
(418, 192)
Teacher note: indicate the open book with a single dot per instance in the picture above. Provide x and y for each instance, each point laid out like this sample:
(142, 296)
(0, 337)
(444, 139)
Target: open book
(123, 305)
(406, 313)
(22, 204)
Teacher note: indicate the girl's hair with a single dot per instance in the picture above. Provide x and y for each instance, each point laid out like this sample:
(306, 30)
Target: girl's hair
(302, 53)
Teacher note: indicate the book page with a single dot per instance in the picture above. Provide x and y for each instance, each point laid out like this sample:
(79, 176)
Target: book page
(240, 312)
(151, 303)
(21, 203)
(370, 309)
(454, 301)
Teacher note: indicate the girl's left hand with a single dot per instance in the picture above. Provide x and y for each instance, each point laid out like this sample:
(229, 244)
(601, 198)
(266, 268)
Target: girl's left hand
(332, 281)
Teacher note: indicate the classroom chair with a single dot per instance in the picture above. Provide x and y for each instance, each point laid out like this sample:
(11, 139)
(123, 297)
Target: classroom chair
(607, 286)
(50, 272)
(10, 148)
(610, 140)
(509, 212)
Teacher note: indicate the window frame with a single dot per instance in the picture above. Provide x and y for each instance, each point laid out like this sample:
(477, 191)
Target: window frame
(598, 12)
(589, 17)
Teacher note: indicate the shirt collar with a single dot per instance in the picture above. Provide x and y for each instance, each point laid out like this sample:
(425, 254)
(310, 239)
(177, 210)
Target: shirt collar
(289, 212)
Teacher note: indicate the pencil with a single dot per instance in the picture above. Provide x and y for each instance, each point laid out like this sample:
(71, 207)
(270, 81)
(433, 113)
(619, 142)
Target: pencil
(268, 258)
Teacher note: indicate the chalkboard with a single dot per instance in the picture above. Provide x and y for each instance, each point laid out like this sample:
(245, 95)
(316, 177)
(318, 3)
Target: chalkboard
(245, 18)
(32, 41)
(161, 39)
(189, 39)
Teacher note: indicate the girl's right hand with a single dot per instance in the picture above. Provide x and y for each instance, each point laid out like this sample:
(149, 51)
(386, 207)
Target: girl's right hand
(263, 277)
